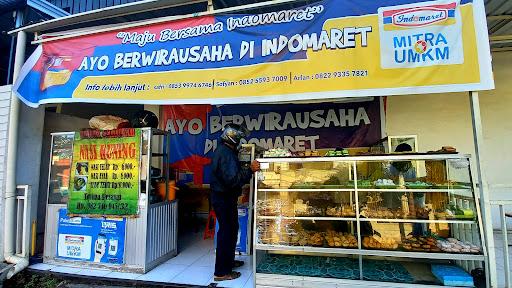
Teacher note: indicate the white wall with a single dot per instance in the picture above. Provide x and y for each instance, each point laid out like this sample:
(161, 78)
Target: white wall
(438, 120)
(445, 119)
(5, 100)
(497, 127)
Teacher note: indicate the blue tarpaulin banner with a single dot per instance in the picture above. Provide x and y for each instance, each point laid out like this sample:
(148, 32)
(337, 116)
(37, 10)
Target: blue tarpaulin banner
(195, 129)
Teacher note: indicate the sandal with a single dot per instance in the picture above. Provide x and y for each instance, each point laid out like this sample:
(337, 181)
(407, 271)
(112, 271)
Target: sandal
(230, 276)
(238, 263)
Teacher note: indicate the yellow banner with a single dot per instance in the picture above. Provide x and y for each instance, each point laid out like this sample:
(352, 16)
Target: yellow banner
(313, 52)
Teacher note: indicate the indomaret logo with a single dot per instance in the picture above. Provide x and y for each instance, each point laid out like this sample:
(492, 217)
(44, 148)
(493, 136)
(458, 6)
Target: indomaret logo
(419, 17)
(415, 17)
(74, 240)
(420, 35)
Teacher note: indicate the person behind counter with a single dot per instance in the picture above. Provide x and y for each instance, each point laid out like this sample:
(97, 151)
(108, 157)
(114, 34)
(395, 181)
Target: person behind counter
(407, 170)
(228, 177)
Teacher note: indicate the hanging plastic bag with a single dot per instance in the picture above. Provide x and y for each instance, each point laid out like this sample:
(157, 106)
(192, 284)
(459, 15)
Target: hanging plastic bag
(108, 122)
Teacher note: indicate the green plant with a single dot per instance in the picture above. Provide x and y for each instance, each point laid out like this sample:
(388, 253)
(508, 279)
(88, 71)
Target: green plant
(49, 282)
(28, 280)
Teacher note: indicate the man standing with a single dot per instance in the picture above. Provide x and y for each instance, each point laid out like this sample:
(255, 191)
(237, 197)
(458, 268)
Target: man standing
(228, 177)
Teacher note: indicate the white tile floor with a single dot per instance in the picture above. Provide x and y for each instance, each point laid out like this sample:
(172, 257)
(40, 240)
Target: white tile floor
(194, 265)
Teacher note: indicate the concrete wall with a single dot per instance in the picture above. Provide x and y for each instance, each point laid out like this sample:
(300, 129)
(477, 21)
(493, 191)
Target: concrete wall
(497, 127)
(29, 150)
(28, 163)
(445, 119)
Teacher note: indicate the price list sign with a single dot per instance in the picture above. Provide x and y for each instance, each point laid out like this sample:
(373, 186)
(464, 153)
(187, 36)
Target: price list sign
(105, 173)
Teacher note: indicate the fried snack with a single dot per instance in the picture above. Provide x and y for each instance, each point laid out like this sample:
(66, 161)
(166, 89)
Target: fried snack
(379, 243)
(340, 240)
(420, 244)
(348, 211)
(316, 239)
(334, 211)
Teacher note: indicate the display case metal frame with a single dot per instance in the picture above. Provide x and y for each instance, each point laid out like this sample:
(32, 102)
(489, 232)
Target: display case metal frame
(360, 252)
(250, 210)
(150, 238)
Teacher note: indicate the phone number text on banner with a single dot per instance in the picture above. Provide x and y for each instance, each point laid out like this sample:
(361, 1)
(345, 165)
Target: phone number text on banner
(105, 173)
(319, 51)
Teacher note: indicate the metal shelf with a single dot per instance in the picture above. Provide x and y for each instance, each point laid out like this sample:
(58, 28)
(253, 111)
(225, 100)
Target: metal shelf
(327, 218)
(364, 252)
(431, 190)
(308, 249)
(266, 247)
(396, 157)
(423, 255)
(416, 190)
(279, 280)
(417, 221)
(308, 190)
(308, 218)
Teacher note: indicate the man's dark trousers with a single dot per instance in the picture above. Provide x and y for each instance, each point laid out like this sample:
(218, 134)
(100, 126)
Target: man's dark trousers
(227, 216)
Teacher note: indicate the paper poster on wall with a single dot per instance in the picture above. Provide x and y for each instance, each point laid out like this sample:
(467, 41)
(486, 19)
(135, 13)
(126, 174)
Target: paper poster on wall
(105, 173)
(99, 240)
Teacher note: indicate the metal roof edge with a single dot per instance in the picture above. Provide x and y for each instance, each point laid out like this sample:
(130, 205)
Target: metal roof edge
(47, 8)
(103, 13)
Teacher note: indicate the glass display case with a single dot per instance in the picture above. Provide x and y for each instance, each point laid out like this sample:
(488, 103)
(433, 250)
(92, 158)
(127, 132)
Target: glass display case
(395, 218)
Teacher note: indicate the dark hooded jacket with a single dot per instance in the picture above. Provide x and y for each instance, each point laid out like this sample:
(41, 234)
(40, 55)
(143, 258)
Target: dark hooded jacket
(228, 176)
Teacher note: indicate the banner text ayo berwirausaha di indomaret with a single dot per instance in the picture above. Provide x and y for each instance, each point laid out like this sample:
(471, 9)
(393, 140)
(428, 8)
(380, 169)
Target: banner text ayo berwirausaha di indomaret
(105, 173)
(195, 129)
(319, 51)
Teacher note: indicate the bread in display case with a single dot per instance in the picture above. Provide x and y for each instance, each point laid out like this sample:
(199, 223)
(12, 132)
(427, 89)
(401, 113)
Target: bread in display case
(401, 207)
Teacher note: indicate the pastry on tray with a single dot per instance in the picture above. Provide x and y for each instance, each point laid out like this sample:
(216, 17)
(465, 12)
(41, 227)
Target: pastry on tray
(452, 245)
(379, 243)
(420, 244)
(340, 240)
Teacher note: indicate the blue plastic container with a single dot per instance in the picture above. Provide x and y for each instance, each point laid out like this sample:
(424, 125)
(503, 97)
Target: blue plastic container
(452, 276)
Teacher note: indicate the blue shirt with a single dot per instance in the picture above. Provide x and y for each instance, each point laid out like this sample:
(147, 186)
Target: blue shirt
(409, 175)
